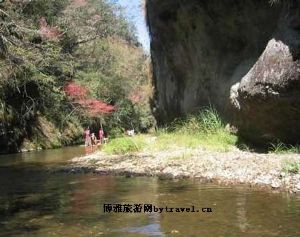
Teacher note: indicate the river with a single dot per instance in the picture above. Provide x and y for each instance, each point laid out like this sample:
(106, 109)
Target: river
(36, 202)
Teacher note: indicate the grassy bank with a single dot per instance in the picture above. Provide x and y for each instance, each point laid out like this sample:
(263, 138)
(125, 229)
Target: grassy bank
(204, 130)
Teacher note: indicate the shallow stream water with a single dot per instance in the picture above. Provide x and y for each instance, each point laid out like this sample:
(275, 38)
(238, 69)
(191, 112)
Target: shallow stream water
(36, 202)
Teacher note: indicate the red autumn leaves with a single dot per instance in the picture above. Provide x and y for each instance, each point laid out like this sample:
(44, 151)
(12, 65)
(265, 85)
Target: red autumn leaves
(75, 91)
(79, 95)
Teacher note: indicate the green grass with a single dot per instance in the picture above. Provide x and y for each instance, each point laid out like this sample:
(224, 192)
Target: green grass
(125, 145)
(205, 122)
(244, 147)
(291, 167)
(204, 130)
(281, 148)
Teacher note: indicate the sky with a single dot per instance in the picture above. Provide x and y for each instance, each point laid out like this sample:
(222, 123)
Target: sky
(134, 12)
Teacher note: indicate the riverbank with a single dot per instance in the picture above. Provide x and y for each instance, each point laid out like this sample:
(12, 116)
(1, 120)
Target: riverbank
(273, 171)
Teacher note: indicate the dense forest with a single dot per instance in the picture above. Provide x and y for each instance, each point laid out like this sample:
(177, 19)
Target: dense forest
(66, 65)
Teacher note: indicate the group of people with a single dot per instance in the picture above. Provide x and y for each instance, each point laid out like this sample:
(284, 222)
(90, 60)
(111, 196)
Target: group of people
(91, 139)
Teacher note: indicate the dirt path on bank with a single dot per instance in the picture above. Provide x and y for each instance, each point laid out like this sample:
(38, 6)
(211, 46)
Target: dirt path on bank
(229, 167)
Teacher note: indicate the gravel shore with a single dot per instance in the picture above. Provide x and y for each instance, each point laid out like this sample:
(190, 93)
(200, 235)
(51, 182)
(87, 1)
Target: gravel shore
(265, 170)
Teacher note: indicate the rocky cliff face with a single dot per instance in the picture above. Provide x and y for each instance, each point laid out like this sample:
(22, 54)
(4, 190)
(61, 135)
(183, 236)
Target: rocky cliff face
(241, 57)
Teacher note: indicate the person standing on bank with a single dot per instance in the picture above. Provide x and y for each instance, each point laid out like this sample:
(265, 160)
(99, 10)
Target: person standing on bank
(87, 137)
(101, 135)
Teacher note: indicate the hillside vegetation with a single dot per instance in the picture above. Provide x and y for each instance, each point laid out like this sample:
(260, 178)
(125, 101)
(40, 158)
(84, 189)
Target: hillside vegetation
(65, 65)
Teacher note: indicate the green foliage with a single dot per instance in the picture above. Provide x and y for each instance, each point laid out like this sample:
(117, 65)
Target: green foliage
(97, 47)
(207, 121)
(220, 141)
(125, 145)
(113, 74)
(36, 9)
(291, 167)
(244, 147)
(281, 148)
(204, 130)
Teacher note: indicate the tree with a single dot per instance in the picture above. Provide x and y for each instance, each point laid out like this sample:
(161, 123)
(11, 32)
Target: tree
(68, 61)
(79, 96)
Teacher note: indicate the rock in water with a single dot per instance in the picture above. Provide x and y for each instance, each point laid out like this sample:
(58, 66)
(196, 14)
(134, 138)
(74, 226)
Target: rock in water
(242, 57)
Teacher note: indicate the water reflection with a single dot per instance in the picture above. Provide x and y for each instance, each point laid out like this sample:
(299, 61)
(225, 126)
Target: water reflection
(42, 158)
(34, 202)
(91, 149)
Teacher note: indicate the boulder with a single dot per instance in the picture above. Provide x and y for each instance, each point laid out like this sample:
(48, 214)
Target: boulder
(267, 99)
(240, 57)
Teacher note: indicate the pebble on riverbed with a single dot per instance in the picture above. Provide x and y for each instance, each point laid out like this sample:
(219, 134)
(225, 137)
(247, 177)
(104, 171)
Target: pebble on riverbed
(230, 167)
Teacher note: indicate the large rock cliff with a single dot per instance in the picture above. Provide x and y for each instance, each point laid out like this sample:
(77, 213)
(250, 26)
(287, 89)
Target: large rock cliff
(242, 57)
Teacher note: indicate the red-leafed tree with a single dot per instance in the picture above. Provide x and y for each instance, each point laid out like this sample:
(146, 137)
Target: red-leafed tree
(75, 91)
(80, 97)
(97, 107)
